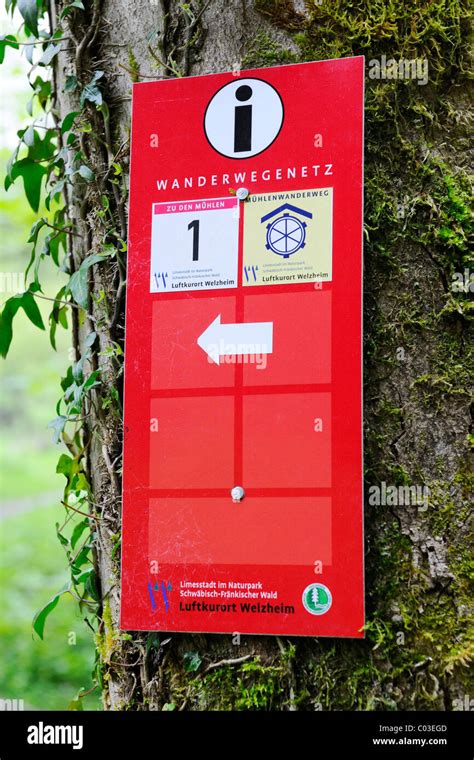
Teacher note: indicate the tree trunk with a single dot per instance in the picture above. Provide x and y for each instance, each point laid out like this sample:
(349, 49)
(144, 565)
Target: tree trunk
(417, 414)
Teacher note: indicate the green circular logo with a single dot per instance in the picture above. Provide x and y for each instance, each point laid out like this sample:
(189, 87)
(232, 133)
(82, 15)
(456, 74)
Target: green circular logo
(317, 599)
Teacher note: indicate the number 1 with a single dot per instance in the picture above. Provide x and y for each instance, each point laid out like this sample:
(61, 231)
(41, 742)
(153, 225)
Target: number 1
(194, 225)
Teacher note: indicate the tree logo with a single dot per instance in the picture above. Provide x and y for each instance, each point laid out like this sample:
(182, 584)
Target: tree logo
(317, 599)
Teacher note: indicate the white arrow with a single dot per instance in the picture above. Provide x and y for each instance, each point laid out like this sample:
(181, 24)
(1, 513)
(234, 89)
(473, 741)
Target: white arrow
(236, 340)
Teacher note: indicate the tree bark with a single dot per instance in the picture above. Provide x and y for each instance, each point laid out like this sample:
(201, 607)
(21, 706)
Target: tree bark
(417, 412)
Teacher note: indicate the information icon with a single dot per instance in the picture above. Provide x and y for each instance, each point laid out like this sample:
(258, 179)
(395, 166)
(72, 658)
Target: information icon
(243, 118)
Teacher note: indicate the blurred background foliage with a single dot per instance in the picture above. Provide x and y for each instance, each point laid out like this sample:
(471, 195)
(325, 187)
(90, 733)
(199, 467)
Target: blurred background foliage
(46, 674)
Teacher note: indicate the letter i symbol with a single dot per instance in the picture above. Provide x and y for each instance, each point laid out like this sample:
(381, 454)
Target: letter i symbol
(243, 120)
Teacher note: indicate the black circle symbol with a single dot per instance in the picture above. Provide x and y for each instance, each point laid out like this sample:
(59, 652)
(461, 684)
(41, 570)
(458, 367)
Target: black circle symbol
(244, 92)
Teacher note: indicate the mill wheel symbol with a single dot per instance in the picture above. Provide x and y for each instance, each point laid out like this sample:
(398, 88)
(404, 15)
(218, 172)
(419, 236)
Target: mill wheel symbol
(286, 235)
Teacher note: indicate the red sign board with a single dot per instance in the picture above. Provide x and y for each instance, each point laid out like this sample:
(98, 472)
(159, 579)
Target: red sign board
(242, 472)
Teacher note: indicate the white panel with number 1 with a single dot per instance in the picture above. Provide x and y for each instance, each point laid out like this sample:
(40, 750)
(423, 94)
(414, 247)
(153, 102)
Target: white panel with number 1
(194, 245)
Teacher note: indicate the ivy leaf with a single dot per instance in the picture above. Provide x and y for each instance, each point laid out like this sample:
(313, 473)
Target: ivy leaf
(42, 90)
(91, 587)
(66, 466)
(70, 8)
(29, 137)
(58, 425)
(192, 662)
(90, 340)
(30, 307)
(7, 40)
(32, 173)
(51, 51)
(58, 316)
(26, 302)
(62, 539)
(82, 558)
(152, 641)
(52, 243)
(83, 575)
(68, 121)
(75, 705)
(91, 91)
(78, 287)
(29, 11)
(39, 619)
(76, 534)
(78, 284)
(86, 173)
(71, 83)
(29, 50)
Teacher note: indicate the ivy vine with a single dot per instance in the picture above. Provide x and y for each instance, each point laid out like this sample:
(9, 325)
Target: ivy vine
(53, 162)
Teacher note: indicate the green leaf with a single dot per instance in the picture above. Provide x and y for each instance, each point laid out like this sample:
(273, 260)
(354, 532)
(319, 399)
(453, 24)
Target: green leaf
(65, 465)
(92, 380)
(29, 11)
(91, 91)
(91, 587)
(7, 40)
(32, 174)
(90, 340)
(192, 662)
(70, 8)
(58, 425)
(58, 316)
(24, 301)
(42, 90)
(75, 705)
(71, 83)
(82, 558)
(62, 539)
(86, 173)
(30, 307)
(29, 137)
(51, 51)
(78, 287)
(83, 576)
(152, 641)
(35, 230)
(78, 284)
(68, 121)
(76, 534)
(29, 50)
(39, 619)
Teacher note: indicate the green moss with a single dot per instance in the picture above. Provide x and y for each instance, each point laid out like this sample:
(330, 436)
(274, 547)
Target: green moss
(266, 52)
(133, 65)
(255, 684)
(107, 636)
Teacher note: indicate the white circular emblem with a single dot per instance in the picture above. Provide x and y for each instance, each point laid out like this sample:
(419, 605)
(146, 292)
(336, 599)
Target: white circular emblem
(243, 118)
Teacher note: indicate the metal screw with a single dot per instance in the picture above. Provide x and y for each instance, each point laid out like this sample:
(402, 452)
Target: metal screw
(242, 193)
(237, 493)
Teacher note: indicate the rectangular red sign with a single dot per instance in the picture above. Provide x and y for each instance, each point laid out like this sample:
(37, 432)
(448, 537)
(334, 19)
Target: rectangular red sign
(242, 495)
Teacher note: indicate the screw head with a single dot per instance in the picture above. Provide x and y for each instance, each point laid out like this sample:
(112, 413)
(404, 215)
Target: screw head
(242, 193)
(237, 493)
